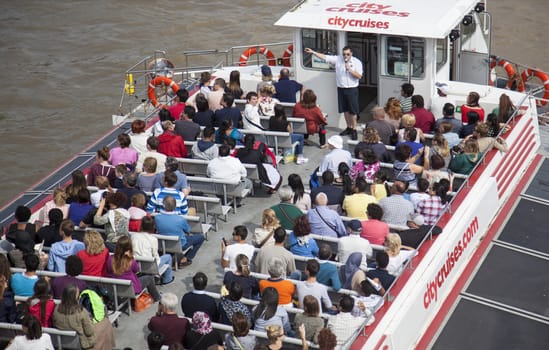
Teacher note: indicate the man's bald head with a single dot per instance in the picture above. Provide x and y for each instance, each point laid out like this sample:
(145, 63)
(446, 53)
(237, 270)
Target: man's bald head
(321, 199)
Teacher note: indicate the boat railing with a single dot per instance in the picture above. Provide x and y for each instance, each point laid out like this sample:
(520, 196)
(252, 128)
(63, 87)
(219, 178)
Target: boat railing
(232, 56)
(138, 76)
(524, 78)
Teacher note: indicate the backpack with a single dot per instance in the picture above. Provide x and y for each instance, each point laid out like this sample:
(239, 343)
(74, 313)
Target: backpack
(92, 300)
(314, 181)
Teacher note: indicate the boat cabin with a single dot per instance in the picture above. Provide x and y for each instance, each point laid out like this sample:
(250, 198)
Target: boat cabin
(420, 42)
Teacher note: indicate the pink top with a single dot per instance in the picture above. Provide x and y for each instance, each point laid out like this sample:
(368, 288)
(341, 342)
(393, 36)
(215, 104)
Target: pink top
(51, 205)
(123, 156)
(374, 231)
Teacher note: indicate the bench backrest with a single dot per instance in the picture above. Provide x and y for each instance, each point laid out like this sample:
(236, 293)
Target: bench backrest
(61, 339)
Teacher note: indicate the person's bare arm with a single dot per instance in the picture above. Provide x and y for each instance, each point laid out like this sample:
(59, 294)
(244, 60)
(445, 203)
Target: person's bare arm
(224, 263)
(317, 54)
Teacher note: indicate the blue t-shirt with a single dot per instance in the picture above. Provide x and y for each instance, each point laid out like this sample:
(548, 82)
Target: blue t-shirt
(23, 285)
(286, 90)
(328, 275)
(307, 249)
(172, 225)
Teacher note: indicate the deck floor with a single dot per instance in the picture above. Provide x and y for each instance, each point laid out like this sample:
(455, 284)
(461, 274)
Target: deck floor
(506, 302)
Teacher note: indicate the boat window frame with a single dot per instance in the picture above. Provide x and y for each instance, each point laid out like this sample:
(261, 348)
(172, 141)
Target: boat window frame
(441, 52)
(322, 41)
(409, 44)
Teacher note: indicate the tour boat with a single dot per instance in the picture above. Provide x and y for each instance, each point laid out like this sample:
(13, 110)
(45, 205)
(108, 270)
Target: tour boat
(426, 43)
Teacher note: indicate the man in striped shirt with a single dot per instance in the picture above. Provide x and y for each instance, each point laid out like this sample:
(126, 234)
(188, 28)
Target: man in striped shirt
(155, 204)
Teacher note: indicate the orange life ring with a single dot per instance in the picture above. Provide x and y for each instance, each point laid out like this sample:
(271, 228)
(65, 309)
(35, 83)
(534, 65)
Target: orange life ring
(157, 81)
(544, 77)
(286, 56)
(250, 51)
(496, 61)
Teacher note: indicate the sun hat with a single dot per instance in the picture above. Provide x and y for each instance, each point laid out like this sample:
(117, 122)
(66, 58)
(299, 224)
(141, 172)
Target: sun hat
(336, 141)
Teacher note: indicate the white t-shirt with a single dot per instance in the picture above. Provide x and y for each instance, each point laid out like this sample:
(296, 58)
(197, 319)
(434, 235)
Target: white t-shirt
(396, 262)
(344, 79)
(232, 251)
(21, 342)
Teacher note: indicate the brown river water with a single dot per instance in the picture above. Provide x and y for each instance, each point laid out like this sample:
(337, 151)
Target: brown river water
(62, 63)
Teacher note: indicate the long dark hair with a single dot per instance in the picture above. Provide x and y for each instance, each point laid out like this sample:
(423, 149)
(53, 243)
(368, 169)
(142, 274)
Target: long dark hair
(42, 293)
(69, 301)
(266, 308)
(32, 326)
(227, 124)
(296, 183)
(347, 182)
(280, 113)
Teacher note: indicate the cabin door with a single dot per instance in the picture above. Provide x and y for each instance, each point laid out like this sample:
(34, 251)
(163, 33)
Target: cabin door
(364, 47)
(402, 60)
(472, 49)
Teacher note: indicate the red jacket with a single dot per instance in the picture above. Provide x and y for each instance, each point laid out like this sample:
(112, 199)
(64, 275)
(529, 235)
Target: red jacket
(313, 117)
(172, 145)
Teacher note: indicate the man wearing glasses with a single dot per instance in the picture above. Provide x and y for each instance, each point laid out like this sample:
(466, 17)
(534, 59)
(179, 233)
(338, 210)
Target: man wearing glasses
(348, 74)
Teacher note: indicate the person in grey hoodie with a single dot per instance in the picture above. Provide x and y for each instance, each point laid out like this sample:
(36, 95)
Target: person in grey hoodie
(60, 251)
(206, 148)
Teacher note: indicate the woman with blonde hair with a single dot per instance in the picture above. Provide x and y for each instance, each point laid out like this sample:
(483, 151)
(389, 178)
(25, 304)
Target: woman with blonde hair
(393, 112)
(275, 335)
(263, 236)
(408, 121)
(250, 286)
(398, 254)
(266, 100)
(94, 257)
(441, 147)
(59, 201)
(122, 265)
(465, 161)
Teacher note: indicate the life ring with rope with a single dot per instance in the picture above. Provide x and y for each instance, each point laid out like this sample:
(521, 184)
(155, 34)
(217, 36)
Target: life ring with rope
(544, 77)
(159, 80)
(286, 56)
(250, 51)
(497, 61)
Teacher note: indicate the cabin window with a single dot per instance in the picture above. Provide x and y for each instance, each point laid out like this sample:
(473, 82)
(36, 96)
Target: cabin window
(442, 53)
(323, 41)
(404, 55)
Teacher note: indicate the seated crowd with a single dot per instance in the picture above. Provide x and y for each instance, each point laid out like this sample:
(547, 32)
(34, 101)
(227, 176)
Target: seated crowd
(341, 230)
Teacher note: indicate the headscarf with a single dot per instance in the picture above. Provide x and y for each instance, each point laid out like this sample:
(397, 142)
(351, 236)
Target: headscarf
(201, 323)
(351, 267)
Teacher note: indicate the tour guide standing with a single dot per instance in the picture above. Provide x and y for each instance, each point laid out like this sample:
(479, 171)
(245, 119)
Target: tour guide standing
(348, 74)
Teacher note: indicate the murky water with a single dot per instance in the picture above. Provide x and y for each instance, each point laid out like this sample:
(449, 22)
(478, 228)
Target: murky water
(62, 63)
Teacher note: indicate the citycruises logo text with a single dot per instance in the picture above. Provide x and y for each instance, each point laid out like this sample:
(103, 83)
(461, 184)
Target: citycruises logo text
(431, 293)
(366, 8)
